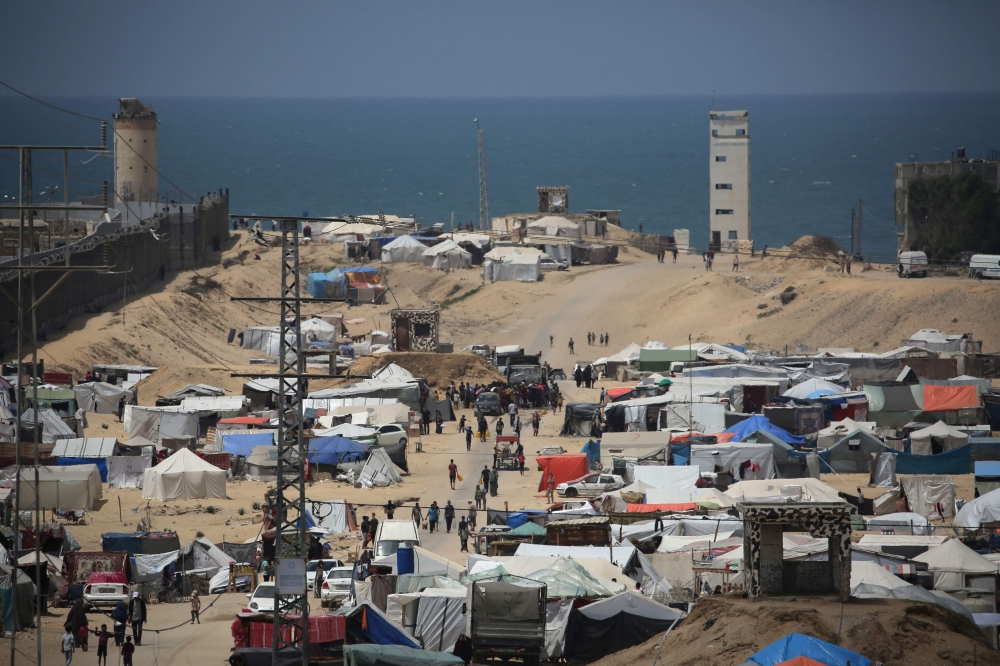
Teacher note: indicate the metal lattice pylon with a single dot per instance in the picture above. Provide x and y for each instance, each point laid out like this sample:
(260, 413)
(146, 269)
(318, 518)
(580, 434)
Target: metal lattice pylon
(484, 190)
(289, 507)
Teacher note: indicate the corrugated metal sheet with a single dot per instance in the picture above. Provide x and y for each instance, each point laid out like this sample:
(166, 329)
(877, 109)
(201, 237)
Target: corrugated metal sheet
(89, 447)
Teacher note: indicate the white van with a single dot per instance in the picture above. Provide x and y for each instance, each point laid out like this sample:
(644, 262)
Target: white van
(985, 266)
(392, 534)
(912, 264)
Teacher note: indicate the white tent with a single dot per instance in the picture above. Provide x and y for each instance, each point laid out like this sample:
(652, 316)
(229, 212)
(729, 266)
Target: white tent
(344, 230)
(837, 430)
(631, 603)
(71, 487)
(731, 456)
(553, 225)
(983, 509)
(447, 255)
(901, 523)
(520, 267)
(127, 471)
(930, 495)
(159, 423)
(379, 470)
(52, 426)
(479, 240)
(953, 563)
(783, 490)
(501, 252)
(949, 438)
(440, 620)
(810, 386)
(404, 248)
(183, 476)
(100, 397)
(317, 329)
(864, 572)
(679, 477)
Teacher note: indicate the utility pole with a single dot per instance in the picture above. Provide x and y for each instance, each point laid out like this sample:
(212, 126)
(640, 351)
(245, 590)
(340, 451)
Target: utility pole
(852, 233)
(860, 214)
(484, 192)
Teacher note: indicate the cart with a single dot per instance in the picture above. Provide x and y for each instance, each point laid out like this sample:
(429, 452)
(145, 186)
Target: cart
(507, 455)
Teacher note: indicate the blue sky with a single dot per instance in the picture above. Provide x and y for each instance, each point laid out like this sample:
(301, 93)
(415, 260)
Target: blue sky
(497, 49)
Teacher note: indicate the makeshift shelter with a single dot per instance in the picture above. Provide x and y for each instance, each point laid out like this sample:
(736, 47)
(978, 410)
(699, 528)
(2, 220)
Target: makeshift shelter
(747, 427)
(75, 487)
(379, 470)
(159, 423)
(581, 419)
(396, 655)
(813, 388)
(17, 598)
(983, 509)
(954, 564)
(553, 225)
(366, 624)
(89, 451)
(100, 397)
(403, 249)
(183, 476)
(440, 620)
(899, 523)
(742, 460)
(262, 463)
(614, 624)
(853, 453)
(870, 573)
(520, 267)
(565, 467)
(51, 425)
(243, 444)
(127, 471)
(987, 476)
(799, 645)
(836, 431)
(937, 438)
(792, 490)
(447, 255)
(673, 477)
(931, 496)
(335, 450)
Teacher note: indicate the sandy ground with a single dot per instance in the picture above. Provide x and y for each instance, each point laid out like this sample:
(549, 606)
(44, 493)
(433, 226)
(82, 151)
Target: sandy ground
(182, 327)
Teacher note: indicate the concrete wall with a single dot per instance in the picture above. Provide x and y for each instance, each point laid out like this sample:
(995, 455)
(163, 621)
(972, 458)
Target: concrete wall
(726, 142)
(136, 159)
(808, 577)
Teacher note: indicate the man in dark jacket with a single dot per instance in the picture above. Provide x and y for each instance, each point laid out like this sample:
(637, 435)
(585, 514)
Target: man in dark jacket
(137, 616)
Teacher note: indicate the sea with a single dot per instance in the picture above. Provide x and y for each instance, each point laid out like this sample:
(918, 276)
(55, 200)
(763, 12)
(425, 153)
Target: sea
(813, 158)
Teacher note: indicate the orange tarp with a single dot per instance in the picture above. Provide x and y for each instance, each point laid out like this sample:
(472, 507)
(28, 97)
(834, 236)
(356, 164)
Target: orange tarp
(618, 391)
(949, 398)
(653, 508)
(801, 661)
(720, 437)
(565, 467)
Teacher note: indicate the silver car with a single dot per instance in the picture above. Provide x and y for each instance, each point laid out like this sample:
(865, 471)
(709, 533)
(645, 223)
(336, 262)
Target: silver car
(591, 485)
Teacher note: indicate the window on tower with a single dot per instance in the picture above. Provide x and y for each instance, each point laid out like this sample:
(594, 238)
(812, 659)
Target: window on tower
(732, 235)
(723, 211)
(720, 158)
(741, 132)
(715, 132)
(723, 186)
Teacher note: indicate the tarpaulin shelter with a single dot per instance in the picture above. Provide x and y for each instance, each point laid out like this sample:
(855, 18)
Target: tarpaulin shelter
(834, 432)
(243, 444)
(799, 645)
(447, 255)
(953, 564)
(987, 476)
(403, 248)
(51, 425)
(521, 267)
(673, 477)
(74, 487)
(565, 467)
(366, 624)
(931, 496)
(318, 330)
(379, 470)
(956, 461)
(127, 471)
(747, 427)
(100, 397)
(159, 423)
(335, 450)
(593, 451)
(396, 655)
(853, 453)
(553, 225)
(871, 573)
(17, 598)
(183, 476)
(936, 439)
(949, 398)
(440, 620)
(813, 388)
(983, 509)
(742, 460)
(782, 490)
(581, 419)
(614, 624)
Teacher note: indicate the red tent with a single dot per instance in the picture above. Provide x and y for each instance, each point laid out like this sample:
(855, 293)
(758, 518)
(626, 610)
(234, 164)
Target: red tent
(565, 467)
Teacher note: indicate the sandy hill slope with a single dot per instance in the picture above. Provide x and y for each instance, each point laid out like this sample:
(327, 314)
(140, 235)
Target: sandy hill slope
(723, 631)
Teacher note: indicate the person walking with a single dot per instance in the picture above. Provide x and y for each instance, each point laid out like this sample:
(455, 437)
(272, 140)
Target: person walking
(517, 427)
(372, 528)
(471, 520)
(68, 645)
(607, 339)
(468, 438)
(365, 530)
(127, 651)
(550, 488)
(675, 255)
(571, 346)
(559, 402)
(485, 474)
(500, 427)
(432, 516)
(736, 263)
(390, 511)
(512, 411)
(452, 473)
(196, 600)
(449, 516)
(520, 463)
(483, 428)
(137, 614)
(102, 644)
(578, 376)
(76, 623)
(416, 515)
(552, 341)
(536, 421)
(119, 617)
(463, 534)
(494, 482)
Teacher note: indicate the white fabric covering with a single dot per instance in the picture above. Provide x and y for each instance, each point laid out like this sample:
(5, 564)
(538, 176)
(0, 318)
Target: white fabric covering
(837, 430)
(730, 456)
(100, 397)
(952, 438)
(631, 603)
(70, 487)
(781, 490)
(556, 619)
(157, 423)
(379, 470)
(127, 471)
(89, 447)
(439, 618)
(334, 519)
(404, 248)
(983, 509)
(953, 563)
(932, 496)
(674, 477)
(904, 523)
(184, 476)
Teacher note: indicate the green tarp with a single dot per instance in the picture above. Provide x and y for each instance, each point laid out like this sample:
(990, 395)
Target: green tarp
(396, 655)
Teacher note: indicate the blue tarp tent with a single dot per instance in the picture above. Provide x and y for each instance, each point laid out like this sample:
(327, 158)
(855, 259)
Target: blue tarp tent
(242, 445)
(130, 542)
(335, 450)
(102, 464)
(593, 451)
(316, 284)
(377, 629)
(681, 453)
(956, 461)
(799, 645)
(747, 427)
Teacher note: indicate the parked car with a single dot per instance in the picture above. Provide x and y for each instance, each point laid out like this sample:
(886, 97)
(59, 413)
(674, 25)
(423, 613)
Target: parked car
(390, 433)
(557, 374)
(551, 451)
(984, 266)
(103, 589)
(482, 350)
(591, 485)
(311, 567)
(550, 264)
(488, 403)
(336, 586)
(912, 264)
(262, 599)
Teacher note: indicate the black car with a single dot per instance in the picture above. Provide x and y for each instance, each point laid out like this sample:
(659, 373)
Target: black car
(557, 374)
(488, 403)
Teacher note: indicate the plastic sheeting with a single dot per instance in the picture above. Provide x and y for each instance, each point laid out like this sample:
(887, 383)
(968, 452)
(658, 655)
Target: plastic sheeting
(243, 444)
(747, 427)
(335, 450)
(556, 619)
(396, 655)
(157, 424)
(949, 398)
(332, 516)
(565, 467)
(933, 497)
(983, 509)
(100, 397)
(73, 487)
(379, 471)
(921, 441)
(184, 476)
(127, 471)
(795, 645)
(673, 477)
(732, 456)
(440, 620)
(614, 624)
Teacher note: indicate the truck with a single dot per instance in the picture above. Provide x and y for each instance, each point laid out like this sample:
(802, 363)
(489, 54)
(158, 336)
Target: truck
(524, 369)
(501, 354)
(912, 264)
(507, 621)
(984, 266)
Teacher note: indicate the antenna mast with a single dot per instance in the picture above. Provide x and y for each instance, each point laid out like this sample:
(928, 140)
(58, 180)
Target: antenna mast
(484, 191)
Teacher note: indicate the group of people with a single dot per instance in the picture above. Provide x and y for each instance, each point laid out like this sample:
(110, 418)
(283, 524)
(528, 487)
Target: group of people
(134, 613)
(661, 255)
(593, 337)
(584, 376)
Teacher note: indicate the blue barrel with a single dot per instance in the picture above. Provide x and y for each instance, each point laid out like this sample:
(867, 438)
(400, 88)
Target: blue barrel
(404, 561)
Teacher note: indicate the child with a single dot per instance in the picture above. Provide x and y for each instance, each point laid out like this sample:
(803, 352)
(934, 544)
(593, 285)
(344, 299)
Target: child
(127, 651)
(68, 645)
(102, 644)
(196, 602)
